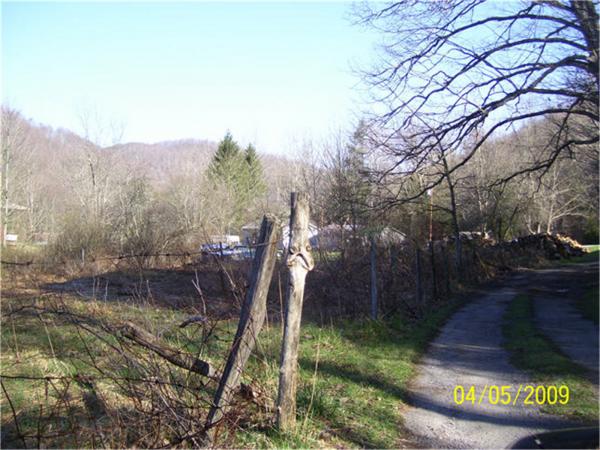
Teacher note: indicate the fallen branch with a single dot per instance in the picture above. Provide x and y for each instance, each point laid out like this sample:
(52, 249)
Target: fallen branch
(176, 357)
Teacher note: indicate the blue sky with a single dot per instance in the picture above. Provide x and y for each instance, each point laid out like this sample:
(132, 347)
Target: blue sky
(268, 72)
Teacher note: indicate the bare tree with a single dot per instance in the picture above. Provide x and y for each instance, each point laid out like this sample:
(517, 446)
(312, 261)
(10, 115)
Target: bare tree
(450, 70)
(12, 140)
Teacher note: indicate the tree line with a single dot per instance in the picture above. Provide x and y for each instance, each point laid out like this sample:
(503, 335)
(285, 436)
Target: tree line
(76, 195)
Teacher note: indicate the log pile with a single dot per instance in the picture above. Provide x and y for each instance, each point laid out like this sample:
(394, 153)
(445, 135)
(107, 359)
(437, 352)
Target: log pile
(550, 246)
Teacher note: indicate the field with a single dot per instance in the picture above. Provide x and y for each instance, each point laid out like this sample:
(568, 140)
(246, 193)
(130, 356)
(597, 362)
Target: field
(73, 377)
(70, 379)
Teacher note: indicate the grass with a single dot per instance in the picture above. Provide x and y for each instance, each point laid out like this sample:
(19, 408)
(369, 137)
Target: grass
(44, 346)
(534, 353)
(592, 254)
(589, 304)
(352, 378)
(592, 248)
(21, 252)
(354, 393)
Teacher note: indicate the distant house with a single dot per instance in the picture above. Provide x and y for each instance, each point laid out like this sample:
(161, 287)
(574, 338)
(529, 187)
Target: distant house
(334, 236)
(389, 236)
(225, 239)
(11, 238)
(250, 233)
(330, 237)
(313, 235)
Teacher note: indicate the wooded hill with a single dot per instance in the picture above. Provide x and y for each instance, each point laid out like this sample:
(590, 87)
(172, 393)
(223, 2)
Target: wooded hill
(144, 198)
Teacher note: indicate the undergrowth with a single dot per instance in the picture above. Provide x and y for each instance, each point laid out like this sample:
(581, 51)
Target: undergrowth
(351, 388)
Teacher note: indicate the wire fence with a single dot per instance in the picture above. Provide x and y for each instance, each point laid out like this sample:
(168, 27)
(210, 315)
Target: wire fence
(91, 259)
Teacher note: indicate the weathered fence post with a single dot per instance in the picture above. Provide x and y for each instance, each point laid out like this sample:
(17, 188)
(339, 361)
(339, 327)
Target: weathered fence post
(251, 321)
(299, 262)
(373, 279)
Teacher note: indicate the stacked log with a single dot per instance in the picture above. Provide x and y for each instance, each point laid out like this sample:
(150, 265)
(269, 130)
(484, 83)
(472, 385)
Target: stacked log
(550, 246)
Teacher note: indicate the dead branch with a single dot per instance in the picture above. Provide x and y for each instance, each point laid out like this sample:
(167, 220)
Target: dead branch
(142, 337)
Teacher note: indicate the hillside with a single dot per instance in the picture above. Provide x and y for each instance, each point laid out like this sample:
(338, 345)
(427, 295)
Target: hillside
(55, 174)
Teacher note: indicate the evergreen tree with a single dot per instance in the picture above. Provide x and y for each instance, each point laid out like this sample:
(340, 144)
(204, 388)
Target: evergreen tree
(225, 166)
(241, 174)
(255, 182)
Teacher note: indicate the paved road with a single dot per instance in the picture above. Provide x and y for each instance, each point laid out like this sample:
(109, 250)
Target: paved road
(468, 352)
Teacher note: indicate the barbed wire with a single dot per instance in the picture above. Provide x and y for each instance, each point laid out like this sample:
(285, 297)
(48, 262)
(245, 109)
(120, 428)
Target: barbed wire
(92, 378)
(104, 258)
(187, 254)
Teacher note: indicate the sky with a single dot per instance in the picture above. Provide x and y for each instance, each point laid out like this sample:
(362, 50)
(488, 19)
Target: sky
(270, 73)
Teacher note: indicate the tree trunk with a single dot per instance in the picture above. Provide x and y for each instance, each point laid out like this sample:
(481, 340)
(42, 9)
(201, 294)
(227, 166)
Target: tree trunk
(418, 277)
(454, 214)
(434, 281)
(447, 270)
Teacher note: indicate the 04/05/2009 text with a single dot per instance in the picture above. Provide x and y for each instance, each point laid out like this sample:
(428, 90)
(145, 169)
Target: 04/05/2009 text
(529, 395)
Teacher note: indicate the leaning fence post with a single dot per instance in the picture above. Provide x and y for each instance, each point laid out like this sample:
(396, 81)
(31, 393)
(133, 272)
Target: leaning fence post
(299, 262)
(251, 321)
(373, 259)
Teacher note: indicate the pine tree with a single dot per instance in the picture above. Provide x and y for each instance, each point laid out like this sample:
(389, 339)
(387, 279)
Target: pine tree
(255, 182)
(225, 166)
(241, 174)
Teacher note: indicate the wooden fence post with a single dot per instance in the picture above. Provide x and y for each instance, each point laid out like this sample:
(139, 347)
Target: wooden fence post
(299, 262)
(373, 279)
(251, 321)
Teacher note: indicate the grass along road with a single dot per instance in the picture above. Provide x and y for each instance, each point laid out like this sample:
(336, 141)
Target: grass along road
(588, 304)
(533, 352)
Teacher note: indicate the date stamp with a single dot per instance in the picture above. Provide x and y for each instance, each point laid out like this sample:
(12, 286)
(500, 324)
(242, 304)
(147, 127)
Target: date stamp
(528, 395)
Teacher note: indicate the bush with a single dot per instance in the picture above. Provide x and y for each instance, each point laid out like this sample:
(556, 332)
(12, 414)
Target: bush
(591, 234)
(79, 239)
